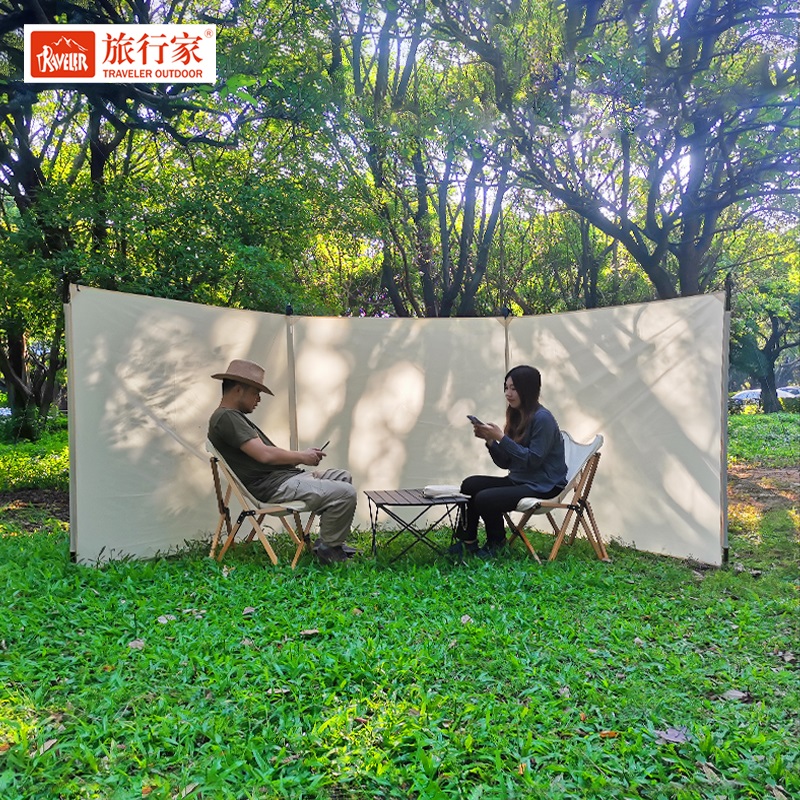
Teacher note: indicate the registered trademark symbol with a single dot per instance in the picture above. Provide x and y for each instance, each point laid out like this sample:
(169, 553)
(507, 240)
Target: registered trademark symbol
(208, 33)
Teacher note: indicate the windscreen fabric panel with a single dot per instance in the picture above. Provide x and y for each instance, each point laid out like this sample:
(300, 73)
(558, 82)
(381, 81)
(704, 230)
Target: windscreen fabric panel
(650, 378)
(392, 397)
(140, 396)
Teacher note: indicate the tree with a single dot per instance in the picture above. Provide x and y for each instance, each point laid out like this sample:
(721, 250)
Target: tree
(52, 138)
(766, 308)
(412, 116)
(646, 118)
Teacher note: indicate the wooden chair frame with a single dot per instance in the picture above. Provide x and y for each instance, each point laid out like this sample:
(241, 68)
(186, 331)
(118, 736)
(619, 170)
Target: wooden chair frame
(578, 509)
(254, 511)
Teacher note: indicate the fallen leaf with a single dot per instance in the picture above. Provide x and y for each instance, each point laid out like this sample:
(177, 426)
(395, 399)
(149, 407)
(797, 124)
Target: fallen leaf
(735, 694)
(165, 618)
(4, 747)
(227, 571)
(146, 790)
(521, 769)
(279, 690)
(466, 619)
(188, 789)
(247, 611)
(609, 734)
(452, 643)
(673, 735)
(638, 641)
(247, 642)
(412, 712)
(778, 793)
(309, 632)
(583, 716)
(46, 746)
(710, 773)
(564, 691)
(361, 720)
(136, 644)
(358, 612)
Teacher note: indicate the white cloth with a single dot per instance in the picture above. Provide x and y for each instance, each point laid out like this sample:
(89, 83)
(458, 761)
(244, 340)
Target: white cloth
(435, 490)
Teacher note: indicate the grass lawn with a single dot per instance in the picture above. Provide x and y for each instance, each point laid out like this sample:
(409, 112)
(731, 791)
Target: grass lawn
(643, 678)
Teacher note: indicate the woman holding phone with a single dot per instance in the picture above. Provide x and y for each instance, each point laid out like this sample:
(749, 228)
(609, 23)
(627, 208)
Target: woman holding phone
(530, 447)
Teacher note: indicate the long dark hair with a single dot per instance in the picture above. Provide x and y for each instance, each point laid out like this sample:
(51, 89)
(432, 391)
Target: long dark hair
(528, 383)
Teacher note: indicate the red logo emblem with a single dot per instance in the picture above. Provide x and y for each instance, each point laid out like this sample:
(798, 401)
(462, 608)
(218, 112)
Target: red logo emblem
(59, 54)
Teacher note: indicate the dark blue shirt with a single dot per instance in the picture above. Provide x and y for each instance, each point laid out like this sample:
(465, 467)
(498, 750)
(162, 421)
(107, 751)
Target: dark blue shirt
(538, 461)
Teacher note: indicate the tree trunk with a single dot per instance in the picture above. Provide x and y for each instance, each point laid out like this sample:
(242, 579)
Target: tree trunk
(771, 351)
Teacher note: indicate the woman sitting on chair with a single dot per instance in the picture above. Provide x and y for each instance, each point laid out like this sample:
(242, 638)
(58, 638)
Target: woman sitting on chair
(530, 447)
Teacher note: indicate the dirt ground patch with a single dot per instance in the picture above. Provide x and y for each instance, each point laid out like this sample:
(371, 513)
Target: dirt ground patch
(766, 489)
(17, 505)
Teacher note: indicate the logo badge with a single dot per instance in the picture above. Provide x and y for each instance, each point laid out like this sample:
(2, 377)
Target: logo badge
(120, 54)
(62, 55)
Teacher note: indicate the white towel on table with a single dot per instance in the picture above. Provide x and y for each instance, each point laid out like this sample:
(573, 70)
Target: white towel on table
(435, 490)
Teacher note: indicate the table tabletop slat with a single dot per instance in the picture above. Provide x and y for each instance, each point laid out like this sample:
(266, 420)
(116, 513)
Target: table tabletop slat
(407, 497)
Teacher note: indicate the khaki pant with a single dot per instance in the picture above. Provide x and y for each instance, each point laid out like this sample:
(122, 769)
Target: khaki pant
(331, 494)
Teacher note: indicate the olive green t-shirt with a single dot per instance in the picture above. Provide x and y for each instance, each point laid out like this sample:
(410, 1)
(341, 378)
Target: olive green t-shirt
(228, 430)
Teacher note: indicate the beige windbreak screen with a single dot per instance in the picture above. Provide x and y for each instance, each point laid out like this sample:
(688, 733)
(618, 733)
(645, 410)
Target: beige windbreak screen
(392, 395)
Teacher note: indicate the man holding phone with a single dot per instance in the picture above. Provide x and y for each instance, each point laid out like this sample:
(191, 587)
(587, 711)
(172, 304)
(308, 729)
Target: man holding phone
(270, 472)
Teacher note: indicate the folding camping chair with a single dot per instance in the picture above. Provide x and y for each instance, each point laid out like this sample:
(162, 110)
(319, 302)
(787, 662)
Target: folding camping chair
(582, 460)
(253, 510)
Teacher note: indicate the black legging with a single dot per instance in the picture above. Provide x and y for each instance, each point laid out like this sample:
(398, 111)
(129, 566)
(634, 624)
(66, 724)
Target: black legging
(490, 496)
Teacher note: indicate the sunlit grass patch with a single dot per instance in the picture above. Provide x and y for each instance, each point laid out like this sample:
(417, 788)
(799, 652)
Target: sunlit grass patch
(744, 520)
(18, 720)
(794, 516)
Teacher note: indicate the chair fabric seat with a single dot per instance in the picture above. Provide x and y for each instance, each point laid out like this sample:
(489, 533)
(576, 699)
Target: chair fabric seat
(582, 461)
(255, 511)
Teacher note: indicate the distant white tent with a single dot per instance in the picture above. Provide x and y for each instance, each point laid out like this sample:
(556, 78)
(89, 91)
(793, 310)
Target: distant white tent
(392, 395)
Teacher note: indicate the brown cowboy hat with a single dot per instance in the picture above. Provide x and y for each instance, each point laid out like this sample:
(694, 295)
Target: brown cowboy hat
(247, 372)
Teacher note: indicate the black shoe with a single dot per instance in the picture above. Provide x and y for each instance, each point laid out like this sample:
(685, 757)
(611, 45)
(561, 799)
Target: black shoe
(330, 555)
(348, 551)
(491, 550)
(461, 549)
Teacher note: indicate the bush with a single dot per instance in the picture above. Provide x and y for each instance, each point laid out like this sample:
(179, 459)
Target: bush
(791, 405)
(10, 426)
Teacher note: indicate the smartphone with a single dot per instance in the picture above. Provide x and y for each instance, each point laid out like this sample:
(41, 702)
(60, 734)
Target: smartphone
(474, 420)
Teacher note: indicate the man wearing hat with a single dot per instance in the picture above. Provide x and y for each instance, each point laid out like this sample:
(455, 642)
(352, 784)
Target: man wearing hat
(271, 473)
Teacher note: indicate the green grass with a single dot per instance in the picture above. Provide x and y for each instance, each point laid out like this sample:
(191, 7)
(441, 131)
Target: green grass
(43, 464)
(767, 440)
(418, 679)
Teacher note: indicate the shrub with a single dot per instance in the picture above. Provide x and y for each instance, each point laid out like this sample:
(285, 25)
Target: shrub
(791, 405)
(53, 422)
